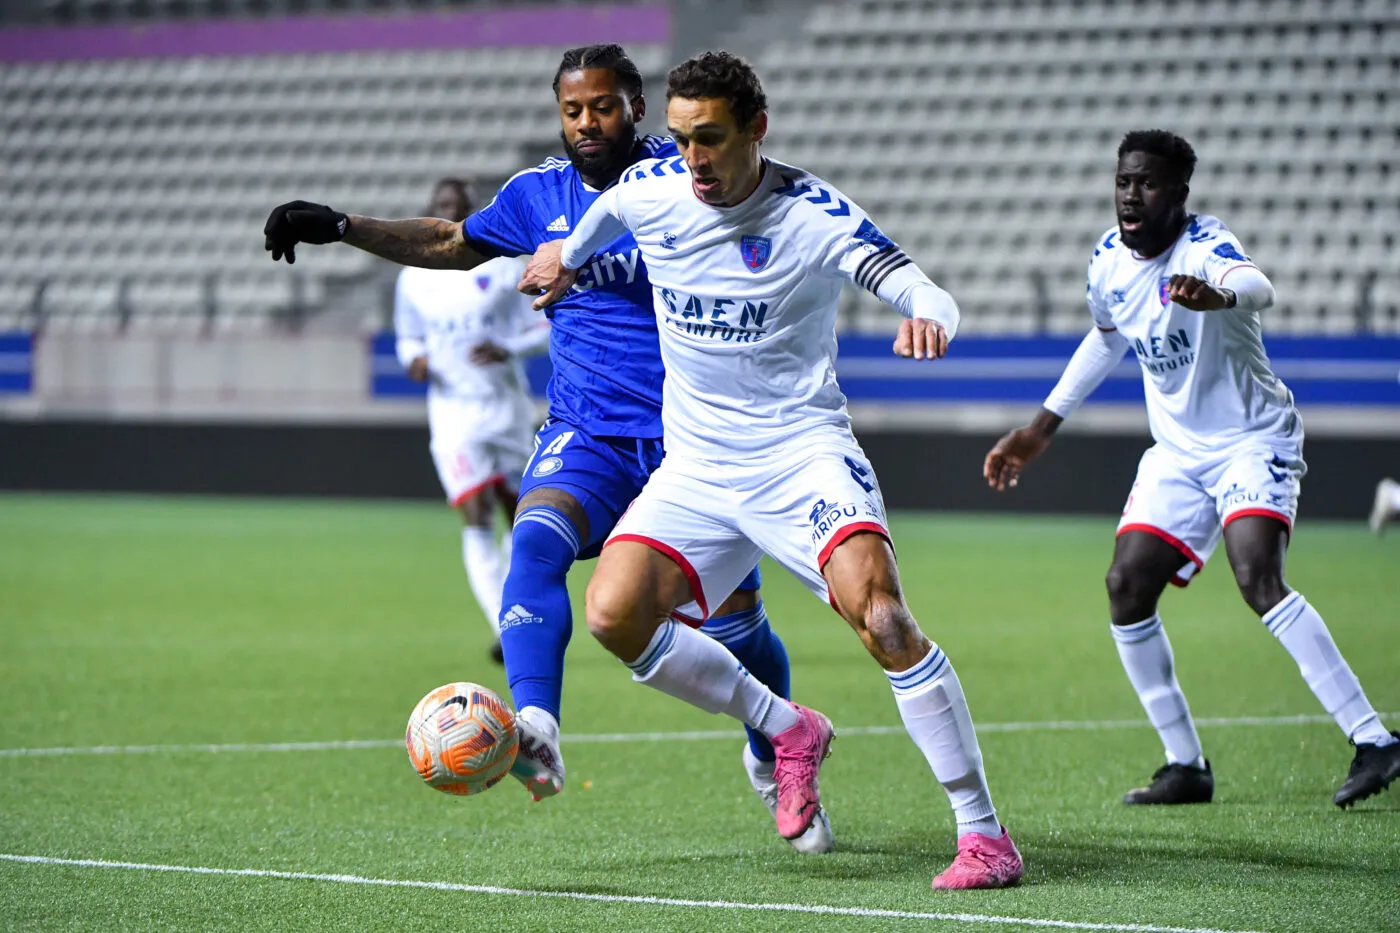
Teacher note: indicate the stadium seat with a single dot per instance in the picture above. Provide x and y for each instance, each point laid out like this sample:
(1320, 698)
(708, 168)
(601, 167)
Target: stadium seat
(988, 130)
(169, 166)
(980, 136)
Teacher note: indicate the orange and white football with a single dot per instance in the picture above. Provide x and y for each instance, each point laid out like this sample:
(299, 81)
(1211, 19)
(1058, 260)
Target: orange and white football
(461, 738)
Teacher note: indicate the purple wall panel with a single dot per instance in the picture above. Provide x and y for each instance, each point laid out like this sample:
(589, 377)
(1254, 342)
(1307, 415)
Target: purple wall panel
(504, 26)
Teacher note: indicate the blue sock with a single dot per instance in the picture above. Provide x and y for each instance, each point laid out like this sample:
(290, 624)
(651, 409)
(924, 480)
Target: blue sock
(536, 616)
(749, 638)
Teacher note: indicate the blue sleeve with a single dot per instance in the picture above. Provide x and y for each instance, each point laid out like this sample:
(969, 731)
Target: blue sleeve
(502, 228)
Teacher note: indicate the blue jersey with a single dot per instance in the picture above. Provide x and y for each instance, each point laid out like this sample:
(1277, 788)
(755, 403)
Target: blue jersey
(603, 343)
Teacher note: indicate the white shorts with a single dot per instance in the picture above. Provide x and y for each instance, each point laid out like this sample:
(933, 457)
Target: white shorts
(479, 443)
(715, 519)
(1188, 505)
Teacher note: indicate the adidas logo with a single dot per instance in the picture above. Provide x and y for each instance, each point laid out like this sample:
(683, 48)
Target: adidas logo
(559, 224)
(519, 615)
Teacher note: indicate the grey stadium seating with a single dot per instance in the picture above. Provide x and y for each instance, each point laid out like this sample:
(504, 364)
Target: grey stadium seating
(161, 172)
(981, 135)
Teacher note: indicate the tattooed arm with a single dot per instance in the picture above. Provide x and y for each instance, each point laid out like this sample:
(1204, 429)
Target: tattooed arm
(422, 241)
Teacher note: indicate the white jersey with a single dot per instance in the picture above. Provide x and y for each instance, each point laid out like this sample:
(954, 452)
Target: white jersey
(746, 301)
(445, 313)
(1206, 374)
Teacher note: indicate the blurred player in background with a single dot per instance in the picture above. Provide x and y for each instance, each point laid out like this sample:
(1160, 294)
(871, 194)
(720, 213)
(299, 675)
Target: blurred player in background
(1178, 289)
(747, 258)
(464, 333)
(603, 436)
(1386, 506)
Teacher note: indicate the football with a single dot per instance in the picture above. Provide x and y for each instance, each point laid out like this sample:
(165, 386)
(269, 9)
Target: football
(461, 738)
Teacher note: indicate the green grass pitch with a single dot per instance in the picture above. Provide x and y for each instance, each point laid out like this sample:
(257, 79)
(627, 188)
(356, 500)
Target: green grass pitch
(190, 622)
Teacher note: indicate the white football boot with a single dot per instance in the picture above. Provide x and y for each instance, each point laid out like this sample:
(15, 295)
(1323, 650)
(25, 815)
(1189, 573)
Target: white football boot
(817, 839)
(538, 764)
(1386, 506)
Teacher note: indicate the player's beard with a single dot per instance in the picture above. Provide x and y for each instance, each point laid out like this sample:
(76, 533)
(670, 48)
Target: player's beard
(605, 167)
(1156, 233)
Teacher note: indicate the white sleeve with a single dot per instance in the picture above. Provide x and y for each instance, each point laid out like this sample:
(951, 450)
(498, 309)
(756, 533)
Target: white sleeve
(531, 335)
(1098, 310)
(915, 295)
(1225, 265)
(1252, 288)
(409, 341)
(597, 228)
(1097, 356)
(528, 330)
(872, 261)
(529, 342)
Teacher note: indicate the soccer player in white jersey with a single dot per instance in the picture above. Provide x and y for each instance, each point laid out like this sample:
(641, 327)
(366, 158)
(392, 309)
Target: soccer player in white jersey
(1178, 290)
(464, 333)
(747, 258)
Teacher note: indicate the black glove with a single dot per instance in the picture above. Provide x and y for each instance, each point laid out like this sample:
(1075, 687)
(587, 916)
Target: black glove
(301, 222)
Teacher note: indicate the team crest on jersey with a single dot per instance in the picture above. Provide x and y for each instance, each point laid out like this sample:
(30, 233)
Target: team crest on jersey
(483, 282)
(1164, 289)
(755, 250)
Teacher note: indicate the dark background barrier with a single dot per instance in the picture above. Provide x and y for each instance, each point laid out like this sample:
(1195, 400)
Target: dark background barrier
(918, 470)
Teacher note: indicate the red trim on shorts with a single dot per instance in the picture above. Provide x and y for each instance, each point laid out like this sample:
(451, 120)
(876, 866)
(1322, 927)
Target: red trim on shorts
(684, 619)
(1170, 539)
(844, 532)
(464, 496)
(691, 576)
(1261, 513)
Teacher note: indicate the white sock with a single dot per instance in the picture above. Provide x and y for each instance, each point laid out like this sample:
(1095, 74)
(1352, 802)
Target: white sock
(1147, 657)
(541, 720)
(486, 570)
(1395, 498)
(760, 771)
(681, 662)
(934, 710)
(1302, 631)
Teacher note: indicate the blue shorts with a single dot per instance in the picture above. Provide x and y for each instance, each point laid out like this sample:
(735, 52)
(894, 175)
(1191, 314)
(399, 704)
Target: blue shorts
(603, 473)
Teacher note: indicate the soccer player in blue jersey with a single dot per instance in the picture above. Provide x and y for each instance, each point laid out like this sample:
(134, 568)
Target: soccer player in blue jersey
(603, 435)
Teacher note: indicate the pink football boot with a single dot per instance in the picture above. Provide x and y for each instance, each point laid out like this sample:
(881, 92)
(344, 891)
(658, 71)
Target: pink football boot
(799, 752)
(982, 862)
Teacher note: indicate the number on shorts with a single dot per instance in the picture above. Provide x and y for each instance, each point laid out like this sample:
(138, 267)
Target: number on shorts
(859, 473)
(558, 444)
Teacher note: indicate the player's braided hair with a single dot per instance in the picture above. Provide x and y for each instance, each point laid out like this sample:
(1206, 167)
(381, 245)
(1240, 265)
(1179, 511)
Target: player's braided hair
(722, 76)
(611, 56)
(1174, 150)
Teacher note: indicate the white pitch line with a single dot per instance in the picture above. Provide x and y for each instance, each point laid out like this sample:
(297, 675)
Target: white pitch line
(594, 738)
(822, 909)
(157, 749)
